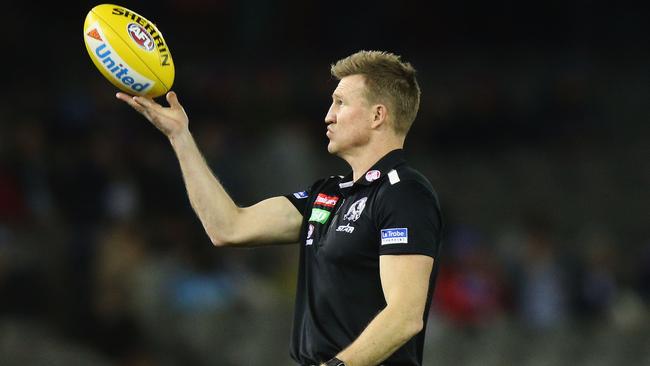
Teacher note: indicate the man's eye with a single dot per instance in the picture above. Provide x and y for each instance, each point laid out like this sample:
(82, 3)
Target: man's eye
(338, 102)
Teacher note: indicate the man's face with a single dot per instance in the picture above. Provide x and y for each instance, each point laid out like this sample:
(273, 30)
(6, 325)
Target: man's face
(349, 117)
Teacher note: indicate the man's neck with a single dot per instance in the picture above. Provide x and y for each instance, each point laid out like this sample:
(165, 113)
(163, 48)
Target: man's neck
(365, 158)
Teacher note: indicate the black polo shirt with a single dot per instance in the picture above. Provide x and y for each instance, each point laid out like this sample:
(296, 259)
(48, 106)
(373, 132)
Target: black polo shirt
(346, 227)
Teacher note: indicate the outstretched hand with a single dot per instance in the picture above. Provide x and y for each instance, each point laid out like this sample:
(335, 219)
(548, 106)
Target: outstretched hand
(170, 120)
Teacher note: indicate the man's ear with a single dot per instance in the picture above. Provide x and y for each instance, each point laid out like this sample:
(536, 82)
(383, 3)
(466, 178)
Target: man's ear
(379, 114)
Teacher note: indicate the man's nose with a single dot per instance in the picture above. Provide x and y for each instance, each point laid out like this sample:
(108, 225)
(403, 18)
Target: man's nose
(330, 117)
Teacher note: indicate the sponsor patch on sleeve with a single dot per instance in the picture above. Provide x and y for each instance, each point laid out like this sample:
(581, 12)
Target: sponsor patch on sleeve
(300, 195)
(394, 236)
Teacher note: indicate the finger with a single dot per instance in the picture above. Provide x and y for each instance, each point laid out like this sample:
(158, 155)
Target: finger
(129, 100)
(123, 96)
(146, 102)
(172, 99)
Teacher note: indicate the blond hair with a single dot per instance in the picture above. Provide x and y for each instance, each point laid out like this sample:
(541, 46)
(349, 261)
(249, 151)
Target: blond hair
(388, 80)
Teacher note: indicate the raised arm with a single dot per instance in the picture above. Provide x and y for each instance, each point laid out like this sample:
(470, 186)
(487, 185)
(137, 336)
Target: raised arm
(272, 221)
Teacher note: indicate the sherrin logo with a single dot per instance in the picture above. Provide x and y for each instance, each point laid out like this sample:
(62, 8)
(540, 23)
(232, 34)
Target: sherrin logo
(140, 36)
(150, 29)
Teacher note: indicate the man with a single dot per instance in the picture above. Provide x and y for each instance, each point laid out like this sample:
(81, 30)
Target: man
(368, 240)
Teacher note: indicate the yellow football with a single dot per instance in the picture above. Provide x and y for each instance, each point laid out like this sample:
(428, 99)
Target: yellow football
(128, 50)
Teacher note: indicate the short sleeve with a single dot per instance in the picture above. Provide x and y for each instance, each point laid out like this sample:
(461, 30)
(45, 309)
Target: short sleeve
(300, 198)
(408, 220)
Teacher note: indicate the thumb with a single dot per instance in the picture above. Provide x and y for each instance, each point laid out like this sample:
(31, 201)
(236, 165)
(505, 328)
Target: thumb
(172, 99)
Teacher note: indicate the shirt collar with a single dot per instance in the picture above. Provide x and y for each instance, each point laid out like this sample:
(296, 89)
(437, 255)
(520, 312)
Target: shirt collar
(376, 172)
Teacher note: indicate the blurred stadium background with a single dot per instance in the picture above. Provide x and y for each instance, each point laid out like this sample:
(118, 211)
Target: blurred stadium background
(533, 128)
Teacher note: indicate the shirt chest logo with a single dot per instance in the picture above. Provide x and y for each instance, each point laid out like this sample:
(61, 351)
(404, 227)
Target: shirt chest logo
(373, 175)
(354, 212)
(345, 228)
(319, 215)
(320, 212)
(325, 200)
(310, 232)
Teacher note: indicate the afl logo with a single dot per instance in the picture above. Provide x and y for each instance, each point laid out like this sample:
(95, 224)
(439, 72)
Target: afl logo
(373, 175)
(140, 36)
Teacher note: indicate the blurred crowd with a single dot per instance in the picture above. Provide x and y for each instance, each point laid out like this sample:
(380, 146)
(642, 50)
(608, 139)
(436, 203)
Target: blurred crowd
(539, 156)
